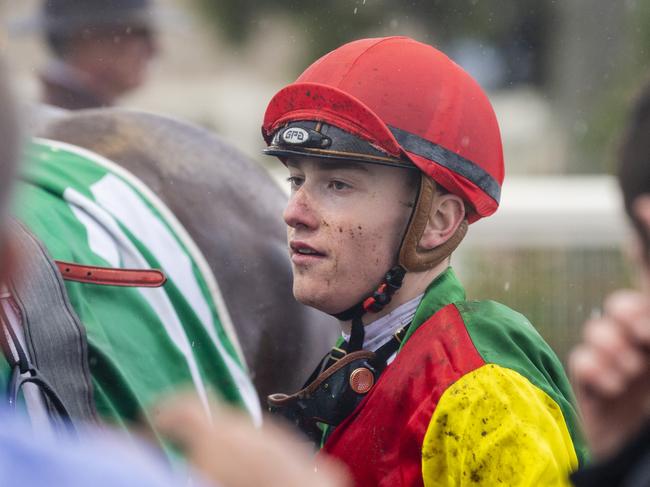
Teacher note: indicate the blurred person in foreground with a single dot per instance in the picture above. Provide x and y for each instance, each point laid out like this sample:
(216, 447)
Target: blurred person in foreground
(611, 367)
(225, 450)
(29, 458)
(392, 151)
(232, 452)
(99, 50)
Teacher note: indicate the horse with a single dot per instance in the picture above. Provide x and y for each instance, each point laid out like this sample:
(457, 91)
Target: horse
(231, 208)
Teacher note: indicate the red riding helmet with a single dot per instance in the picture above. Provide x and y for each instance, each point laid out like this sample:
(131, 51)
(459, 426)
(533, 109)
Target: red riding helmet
(410, 101)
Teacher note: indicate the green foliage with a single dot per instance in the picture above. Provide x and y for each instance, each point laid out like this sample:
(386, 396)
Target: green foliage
(607, 116)
(640, 28)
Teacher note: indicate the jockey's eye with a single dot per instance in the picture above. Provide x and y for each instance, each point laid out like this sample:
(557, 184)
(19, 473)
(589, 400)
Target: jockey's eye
(295, 181)
(338, 185)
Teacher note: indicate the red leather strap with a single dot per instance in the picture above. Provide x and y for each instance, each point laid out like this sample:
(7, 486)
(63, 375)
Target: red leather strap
(109, 276)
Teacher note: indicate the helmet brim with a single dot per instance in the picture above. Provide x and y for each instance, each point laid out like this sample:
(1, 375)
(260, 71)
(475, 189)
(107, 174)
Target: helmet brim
(317, 139)
(318, 102)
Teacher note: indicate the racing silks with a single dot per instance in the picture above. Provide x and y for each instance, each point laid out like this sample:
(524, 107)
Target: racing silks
(474, 397)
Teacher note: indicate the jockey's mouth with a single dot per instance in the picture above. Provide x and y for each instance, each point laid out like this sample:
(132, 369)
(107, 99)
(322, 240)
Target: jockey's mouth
(301, 253)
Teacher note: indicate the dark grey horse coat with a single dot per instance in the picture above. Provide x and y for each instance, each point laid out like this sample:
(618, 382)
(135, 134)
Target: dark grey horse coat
(232, 209)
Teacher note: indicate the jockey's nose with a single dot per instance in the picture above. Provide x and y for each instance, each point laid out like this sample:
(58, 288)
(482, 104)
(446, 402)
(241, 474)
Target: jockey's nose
(300, 211)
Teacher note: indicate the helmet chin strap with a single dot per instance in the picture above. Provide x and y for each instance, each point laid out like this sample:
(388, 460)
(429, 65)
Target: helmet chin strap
(372, 304)
(391, 283)
(411, 258)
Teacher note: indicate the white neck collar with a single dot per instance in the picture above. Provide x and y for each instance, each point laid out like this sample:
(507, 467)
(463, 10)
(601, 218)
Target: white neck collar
(381, 331)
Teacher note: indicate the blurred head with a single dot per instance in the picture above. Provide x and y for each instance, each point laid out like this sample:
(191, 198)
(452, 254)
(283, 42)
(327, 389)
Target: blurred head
(634, 174)
(392, 149)
(110, 40)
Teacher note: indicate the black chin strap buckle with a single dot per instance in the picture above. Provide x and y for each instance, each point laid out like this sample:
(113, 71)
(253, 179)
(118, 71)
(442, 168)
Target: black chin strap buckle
(382, 296)
(373, 304)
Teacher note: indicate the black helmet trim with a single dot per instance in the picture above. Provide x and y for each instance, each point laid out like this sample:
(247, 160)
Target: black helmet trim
(316, 139)
(448, 159)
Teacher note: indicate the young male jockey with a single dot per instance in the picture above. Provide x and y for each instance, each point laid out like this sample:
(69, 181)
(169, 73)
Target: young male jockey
(392, 151)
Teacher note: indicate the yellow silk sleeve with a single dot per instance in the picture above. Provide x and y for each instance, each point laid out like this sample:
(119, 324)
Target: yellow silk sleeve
(493, 427)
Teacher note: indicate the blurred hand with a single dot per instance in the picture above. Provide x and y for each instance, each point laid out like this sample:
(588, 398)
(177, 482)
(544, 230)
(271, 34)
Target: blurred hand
(611, 372)
(231, 452)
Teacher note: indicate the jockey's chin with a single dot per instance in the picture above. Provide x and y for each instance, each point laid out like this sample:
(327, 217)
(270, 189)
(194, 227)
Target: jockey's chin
(323, 294)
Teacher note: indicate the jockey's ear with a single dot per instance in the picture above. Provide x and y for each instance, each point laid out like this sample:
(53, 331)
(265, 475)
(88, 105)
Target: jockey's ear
(447, 213)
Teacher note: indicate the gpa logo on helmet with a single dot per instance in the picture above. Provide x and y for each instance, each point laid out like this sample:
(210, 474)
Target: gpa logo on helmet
(295, 136)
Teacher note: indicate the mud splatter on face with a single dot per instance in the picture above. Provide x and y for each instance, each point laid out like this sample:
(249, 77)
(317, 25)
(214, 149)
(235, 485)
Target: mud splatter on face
(408, 204)
(358, 231)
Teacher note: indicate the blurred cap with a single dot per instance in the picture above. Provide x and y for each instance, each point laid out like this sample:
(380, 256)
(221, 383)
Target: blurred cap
(61, 17)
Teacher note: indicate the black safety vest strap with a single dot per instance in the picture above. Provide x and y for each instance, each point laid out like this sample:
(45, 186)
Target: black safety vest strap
(331, 393)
